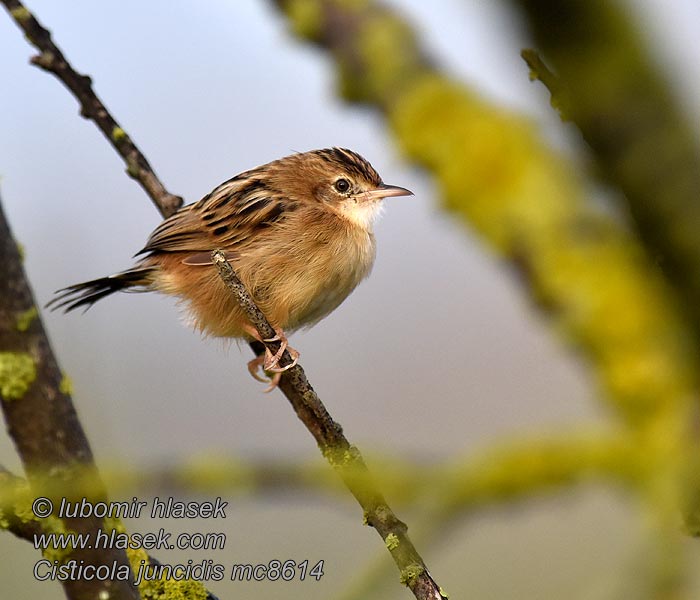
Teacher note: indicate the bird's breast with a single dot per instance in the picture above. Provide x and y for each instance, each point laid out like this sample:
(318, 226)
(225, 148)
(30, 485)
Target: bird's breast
(332, 270)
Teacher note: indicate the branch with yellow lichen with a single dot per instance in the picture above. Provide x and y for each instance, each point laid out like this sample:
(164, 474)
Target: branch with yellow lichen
(641, 141)
(36, 398)
(509, 473)
(41, 419)
(512, 472)
(579, 264)
(506, 471)
(499, 177)
(17, 517)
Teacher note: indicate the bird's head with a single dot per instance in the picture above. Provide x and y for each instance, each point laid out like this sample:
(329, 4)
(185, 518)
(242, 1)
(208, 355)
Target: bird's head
(342, 181)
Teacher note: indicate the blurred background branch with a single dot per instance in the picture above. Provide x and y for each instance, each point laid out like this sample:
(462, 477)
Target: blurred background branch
(642, 142)
(579, 263)
(502, 179)
(506, 471)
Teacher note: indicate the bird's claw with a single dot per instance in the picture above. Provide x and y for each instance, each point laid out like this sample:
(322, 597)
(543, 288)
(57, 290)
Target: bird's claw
(253, 368)
(270, 362)
(274, 367)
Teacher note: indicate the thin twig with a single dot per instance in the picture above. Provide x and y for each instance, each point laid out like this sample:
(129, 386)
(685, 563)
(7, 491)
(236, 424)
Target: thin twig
(540, 71)
(51, 59)
(343, 457)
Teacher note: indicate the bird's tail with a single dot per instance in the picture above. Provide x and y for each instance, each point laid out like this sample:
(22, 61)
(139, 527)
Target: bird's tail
(87, 293)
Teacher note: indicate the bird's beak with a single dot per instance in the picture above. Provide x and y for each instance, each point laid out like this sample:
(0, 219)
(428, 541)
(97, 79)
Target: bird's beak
(385, 191)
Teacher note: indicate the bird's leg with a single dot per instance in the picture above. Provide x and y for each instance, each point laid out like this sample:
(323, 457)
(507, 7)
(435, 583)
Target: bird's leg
(269, 361)
(253, 368)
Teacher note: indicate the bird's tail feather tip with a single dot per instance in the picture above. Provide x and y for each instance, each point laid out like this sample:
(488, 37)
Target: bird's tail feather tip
(87, 293)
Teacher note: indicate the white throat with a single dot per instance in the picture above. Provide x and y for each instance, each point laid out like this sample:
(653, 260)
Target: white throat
(363, 213)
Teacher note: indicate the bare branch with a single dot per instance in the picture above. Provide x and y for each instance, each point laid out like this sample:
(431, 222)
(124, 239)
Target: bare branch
(343, 457)
(51, 59)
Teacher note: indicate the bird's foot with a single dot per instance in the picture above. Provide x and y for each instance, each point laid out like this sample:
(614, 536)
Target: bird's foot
(269, 361)
(254, 368)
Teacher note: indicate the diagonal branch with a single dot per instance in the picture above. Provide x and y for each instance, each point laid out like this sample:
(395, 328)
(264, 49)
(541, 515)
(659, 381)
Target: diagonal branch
(343, 457)
(51, 59)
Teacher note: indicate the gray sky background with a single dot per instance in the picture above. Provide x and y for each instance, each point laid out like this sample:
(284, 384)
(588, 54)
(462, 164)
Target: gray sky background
(437, 354)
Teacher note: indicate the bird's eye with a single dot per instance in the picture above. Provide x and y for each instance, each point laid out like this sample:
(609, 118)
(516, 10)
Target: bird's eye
(342, 185)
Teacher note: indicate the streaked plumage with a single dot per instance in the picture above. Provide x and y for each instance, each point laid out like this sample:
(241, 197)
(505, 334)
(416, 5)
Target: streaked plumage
(298, 232)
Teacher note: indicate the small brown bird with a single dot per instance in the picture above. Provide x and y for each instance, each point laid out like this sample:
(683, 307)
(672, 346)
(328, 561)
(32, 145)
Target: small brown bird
(298, 232)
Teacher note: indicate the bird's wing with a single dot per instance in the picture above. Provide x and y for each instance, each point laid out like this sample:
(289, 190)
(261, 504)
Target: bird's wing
(227, 218)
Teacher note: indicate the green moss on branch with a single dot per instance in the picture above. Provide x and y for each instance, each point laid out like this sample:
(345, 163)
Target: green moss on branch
(17, 373)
